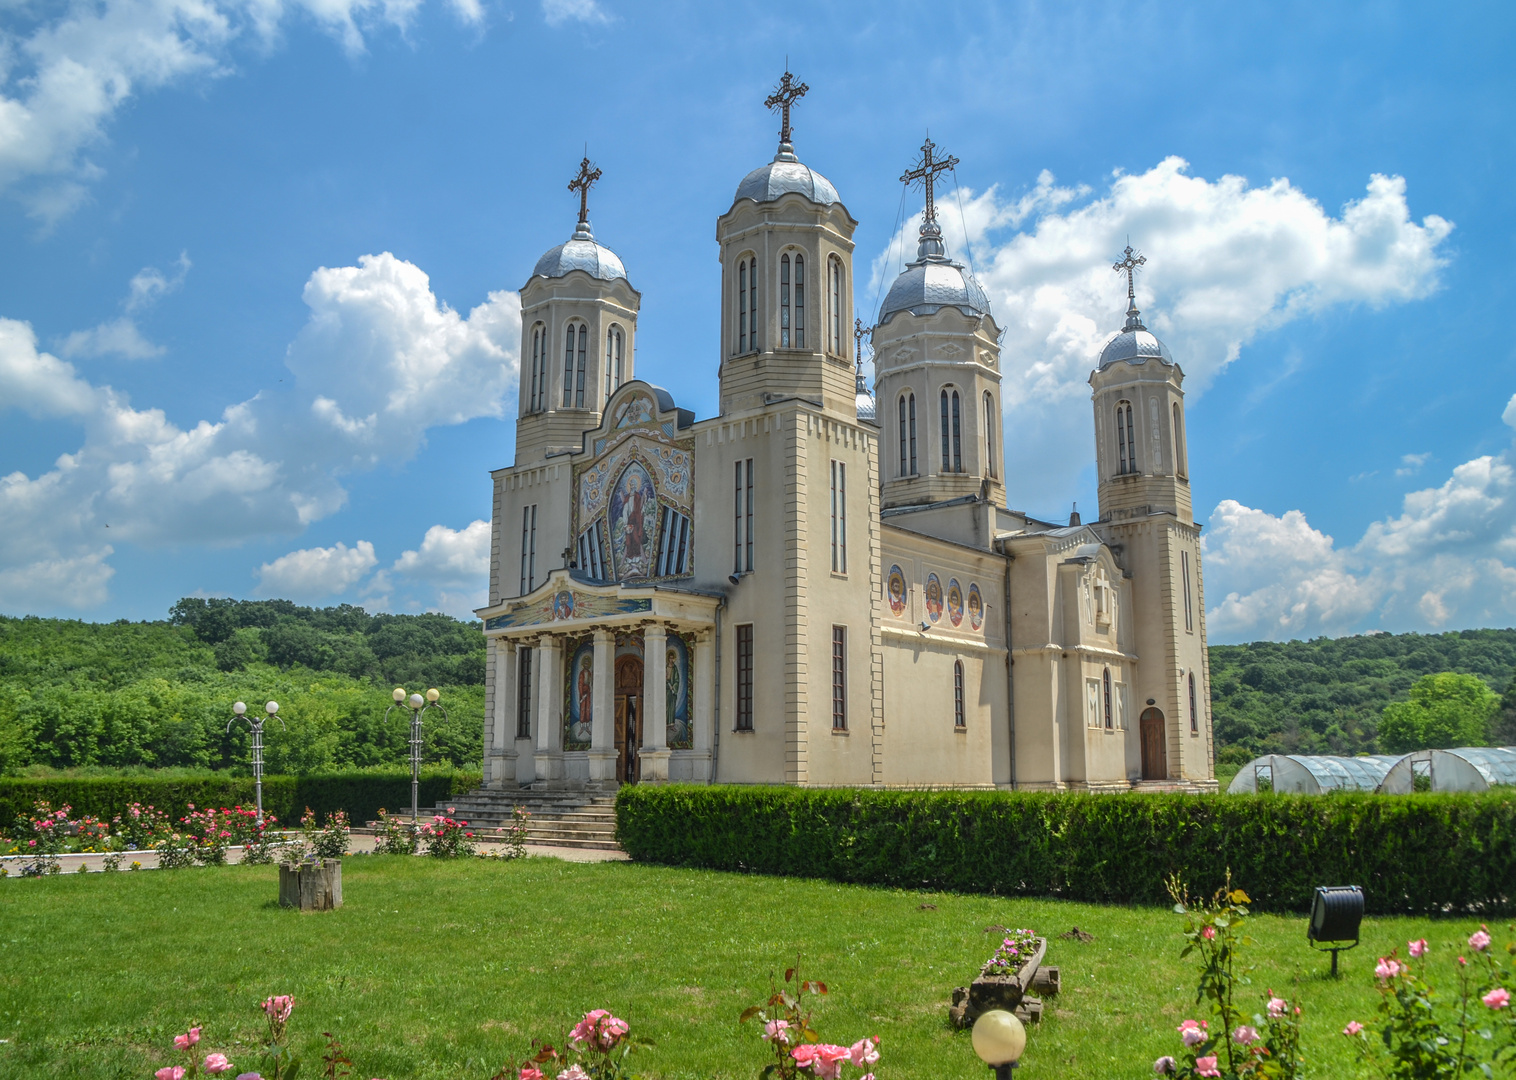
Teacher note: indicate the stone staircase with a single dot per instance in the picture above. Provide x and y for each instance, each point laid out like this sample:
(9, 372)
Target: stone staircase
(574, 819)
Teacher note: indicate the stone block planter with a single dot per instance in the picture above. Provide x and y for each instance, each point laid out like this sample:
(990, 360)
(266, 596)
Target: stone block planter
(1009, 992)
(311, 886)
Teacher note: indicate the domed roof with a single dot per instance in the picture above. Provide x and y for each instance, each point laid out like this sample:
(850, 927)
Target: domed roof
(581, 252)
(934, 281)
(786, 173)
(864, 400)
(1135, 343)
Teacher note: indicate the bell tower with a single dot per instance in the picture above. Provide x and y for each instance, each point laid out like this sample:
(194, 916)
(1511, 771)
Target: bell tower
(578, 335)
(786, 282)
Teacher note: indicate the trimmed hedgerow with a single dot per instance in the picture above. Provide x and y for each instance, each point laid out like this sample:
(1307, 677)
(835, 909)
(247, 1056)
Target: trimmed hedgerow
(1411, 853)
(286, 797)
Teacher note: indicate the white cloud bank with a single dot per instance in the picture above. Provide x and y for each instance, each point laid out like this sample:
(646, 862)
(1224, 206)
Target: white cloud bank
(1448, 559)
(1227, 261)
(316, 573)
(380, 361)
(62, 83)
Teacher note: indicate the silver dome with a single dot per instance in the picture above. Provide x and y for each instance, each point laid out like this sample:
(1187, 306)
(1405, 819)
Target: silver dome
(864, 401)
(581, 252)
(933, 282)
(786, 173)
(1134, 345)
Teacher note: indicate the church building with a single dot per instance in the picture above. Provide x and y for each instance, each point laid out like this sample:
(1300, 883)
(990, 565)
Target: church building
(818, 585)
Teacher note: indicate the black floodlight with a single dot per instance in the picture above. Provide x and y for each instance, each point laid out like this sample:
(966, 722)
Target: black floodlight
(1336, 912)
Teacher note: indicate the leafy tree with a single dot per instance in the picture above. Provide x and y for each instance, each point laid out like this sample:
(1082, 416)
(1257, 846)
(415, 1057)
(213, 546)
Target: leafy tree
(1443, 710)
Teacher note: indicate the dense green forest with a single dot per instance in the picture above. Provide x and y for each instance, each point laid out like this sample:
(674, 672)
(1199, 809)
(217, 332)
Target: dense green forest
(1326, 696)
(159, 694)
(127, 695)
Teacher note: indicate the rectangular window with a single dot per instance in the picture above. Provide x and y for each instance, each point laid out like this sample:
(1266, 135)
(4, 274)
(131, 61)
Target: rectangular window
(742, 307)
(528, 549)
(839, 517)
(1189, 611)
(745, 677)
(1092, 702)
(1121, 706)
(523, 692)
(742, 519)
(592, 552)
(959, 720)
(673, 544)
(839, 678)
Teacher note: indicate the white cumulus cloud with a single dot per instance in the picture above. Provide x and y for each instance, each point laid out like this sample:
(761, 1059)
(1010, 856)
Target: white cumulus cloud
(119, 337)
(450, 556)
(1447, 560)
(313, 573)
(558, 12)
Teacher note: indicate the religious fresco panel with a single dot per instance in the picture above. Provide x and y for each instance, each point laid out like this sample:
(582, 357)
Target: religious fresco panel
(895, 588)
(933, 594)
(578, 692)
(679, 673)
(976, 607)
(955, 602)
(567, 604)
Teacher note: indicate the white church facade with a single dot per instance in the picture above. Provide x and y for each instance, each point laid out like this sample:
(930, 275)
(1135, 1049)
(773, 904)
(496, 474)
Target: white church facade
(819, 586)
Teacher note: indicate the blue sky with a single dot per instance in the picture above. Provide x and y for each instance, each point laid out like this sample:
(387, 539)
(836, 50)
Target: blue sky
(259, 328)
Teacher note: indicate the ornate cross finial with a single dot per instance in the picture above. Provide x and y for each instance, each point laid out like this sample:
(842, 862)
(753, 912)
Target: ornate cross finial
(926, 174)
(785, 94)
(1128, 265)
(582, 183)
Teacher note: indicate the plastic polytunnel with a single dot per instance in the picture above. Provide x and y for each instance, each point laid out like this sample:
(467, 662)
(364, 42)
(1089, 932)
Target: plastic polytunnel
(1468, 768)
(1301, 774)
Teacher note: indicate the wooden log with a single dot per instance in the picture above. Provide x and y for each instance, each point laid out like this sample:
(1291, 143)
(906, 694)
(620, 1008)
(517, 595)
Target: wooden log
(1046, 981)
(289, 886)
(333, 885)
(1029, 1011)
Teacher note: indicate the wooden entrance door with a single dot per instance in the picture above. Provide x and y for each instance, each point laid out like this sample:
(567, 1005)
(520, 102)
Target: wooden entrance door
(1155, 758)
(628, 718)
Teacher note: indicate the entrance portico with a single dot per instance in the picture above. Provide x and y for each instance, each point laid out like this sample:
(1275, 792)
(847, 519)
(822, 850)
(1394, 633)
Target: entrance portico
(603, 683)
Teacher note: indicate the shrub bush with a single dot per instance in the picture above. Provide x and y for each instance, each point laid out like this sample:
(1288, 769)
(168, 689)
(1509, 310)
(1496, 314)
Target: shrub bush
(1411, 853)
(359, 794)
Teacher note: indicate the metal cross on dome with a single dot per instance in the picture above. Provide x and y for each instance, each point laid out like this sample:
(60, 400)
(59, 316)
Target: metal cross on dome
(785, 94)
(1129, 265)
(588, 174)
(926, 173)
(858, 333)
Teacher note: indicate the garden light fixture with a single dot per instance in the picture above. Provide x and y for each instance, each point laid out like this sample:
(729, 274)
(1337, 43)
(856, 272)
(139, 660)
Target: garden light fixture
(417, 706)
(239, 712)
(999, 1038)
(1336, 912)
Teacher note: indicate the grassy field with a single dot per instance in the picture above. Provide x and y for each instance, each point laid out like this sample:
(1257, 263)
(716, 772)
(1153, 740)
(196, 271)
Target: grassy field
(436, 970)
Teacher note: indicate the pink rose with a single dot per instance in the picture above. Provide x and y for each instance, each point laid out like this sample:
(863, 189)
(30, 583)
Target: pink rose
(1497, 998)
(217, 1063)
(1277, 1008)
(279, 1008)
(1479, 940)
(170, 1072)
(1417, 947)
(1206, 1066)
(184, 1042)
(1192, 1033)
(573, 1072)
(1209, 933)
(776, 1031)
(864, 1051)
(1388, 968)
(1353, 1028)
(1164, 1065)
(249, 1076)
(530, 1073)
(1245, 1035)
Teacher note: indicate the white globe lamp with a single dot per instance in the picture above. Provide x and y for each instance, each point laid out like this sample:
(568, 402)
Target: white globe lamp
(999, 1040)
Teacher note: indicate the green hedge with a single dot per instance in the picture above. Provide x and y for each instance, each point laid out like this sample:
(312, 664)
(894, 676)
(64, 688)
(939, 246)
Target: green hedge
(1411, 853)
(360, 794)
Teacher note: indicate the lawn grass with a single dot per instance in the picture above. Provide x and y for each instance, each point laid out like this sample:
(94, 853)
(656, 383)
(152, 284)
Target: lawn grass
(442, 970)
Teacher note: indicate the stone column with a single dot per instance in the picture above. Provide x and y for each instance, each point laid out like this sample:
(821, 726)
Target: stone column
(655, 751)
(502, 747)
(547, 679)
(704, 715)
(603, 720)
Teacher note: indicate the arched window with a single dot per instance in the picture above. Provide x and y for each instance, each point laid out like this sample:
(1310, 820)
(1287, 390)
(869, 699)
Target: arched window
(536, 399)
(1109, 722)
(914, 470)
(959, 720)
(900, 409)
(784, 301)
(1181, 462)
(837, 346)
(742, 307)
(1126, 439)
(615, 347)
(1194, 713)
(989, 434)
(573, 375)
(952, 432)
(752, 305)
(799, 301)
(907, 410)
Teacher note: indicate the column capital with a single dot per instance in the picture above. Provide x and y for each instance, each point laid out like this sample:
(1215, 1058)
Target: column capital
(604, 633)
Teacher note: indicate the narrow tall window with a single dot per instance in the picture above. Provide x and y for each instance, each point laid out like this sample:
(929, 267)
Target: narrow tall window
(615, 346)
(742, 519)
(584, 337)
(1181, 463)
(742, 307)
(1109, 721)
(528, 549)
(531, 398)
(784, 302)
(568, 365)
(1194, 713)
(900, 409)
(839, 517)
(837, 347)
(745, 677)
(523, 692)
(959, 720)
(839, 678)
(752, 304)
(799, 301)
(947, 435)
(989, 434)
(1126, 438)
(913, 433)
(1189, 612)
(957, 435)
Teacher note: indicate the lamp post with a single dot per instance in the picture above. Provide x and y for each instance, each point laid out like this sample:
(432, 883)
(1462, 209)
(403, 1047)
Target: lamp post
(999, 1040)
(417, 705)
(239, 710)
